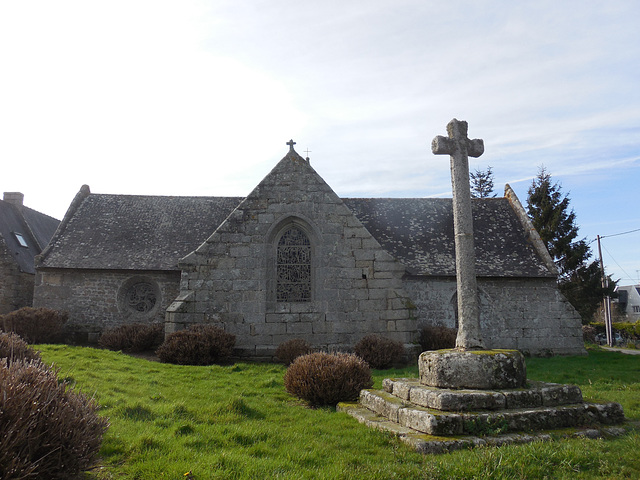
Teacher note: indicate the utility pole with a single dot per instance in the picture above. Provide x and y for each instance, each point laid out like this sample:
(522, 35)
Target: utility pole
(607, 300)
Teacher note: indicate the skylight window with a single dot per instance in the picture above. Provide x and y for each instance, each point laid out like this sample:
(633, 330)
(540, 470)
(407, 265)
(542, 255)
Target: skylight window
(21, 240)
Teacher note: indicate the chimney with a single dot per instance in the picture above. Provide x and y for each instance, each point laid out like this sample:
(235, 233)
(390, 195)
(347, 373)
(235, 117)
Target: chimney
(14, 198)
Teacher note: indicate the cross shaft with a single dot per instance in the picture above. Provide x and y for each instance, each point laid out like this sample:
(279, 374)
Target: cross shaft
(458, 146)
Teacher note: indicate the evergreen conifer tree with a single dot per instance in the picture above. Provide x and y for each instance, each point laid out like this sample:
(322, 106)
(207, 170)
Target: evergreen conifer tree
(482, 183)
(579, 279)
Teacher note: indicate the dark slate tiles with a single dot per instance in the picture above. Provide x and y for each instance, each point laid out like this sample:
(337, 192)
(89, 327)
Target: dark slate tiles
(152, 233)
(419, 233)
(132, 232)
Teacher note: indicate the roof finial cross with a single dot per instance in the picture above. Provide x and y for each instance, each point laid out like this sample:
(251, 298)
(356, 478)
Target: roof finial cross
(291, 143)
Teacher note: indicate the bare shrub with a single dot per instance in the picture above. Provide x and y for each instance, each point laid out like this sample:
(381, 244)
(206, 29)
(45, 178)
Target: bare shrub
(437, 338)
(48, 430)
(135, 337)
(198, 345)
(35, 325)
(13, 348)
(288, 351)
(379, 352)
(327, 378)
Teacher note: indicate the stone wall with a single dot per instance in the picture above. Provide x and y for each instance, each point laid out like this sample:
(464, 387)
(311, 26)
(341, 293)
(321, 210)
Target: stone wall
(97, 300)
(528, 314)
(355, 287)
(16, 287)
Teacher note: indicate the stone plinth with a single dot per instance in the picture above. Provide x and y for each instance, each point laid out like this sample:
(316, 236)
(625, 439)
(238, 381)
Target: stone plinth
(475, 369)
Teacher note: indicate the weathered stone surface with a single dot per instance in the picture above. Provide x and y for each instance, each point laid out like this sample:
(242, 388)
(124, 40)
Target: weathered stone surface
(487, 422)
(430, 421)
(536, 394)
(503, 312)
(523, 398)
(456, 401)
(459, 147)
(354, 288)
(428, 444)
(556, 394)
(607, 413)
(488, 369)
(382, 403)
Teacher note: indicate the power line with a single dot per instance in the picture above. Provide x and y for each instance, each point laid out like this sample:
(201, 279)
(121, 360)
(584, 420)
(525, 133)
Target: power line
(622, 233)
(614, 235)
(614, 261)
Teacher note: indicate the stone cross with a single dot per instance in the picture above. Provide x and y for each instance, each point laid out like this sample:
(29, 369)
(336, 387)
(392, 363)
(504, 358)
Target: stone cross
(291, 143)
(459, 147)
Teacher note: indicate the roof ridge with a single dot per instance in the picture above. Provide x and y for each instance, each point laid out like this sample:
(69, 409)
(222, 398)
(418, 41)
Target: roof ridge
(80, 197)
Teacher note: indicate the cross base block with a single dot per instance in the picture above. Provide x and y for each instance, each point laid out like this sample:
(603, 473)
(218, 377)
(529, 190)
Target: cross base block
(476, 369)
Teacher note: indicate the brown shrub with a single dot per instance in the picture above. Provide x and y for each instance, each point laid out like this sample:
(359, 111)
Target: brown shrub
(35, 325)
(48, 430)
(437, 338)
(379, 352)
(288, 351)
(198, 345)
(135, 337)
(13, 348)
(327, 378)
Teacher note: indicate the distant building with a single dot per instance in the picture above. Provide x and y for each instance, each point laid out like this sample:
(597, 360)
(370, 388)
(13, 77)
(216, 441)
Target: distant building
(629, 301)
(23, 234)
(294, 260)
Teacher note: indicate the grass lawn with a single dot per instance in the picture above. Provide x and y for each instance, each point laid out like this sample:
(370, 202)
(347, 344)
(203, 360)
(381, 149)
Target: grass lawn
(237, 421)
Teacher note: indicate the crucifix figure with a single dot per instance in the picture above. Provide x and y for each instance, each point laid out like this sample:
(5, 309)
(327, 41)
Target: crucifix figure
(458, 146)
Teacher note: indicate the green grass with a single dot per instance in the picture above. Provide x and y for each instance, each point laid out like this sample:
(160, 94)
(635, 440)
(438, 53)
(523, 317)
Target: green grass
(237, 421)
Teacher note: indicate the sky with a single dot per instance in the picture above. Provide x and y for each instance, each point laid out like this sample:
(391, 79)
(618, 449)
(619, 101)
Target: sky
(200, 97)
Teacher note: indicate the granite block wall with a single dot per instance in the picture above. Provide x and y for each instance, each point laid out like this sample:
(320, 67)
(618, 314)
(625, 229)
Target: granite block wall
(528, 314)
(231, 279)
(96, 300)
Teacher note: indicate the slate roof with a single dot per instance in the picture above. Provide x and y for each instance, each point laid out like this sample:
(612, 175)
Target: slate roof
(419, 233)
(135, 232)
(35, 228)
(128, 232)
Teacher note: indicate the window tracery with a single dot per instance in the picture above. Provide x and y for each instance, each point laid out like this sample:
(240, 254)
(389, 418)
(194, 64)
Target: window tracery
(140, 297)
(293, 267)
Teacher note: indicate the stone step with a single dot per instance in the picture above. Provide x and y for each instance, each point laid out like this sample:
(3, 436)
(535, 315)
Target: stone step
(437, 422)
(435, 445)
(536, 394)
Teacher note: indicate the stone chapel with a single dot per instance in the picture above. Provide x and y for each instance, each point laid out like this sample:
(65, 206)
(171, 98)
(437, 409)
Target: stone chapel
(294, 260)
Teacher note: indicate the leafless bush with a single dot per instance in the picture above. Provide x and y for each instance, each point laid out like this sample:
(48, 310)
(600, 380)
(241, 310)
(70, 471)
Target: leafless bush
(35, 325)
(198, 345)
(437, 338)
(379, 352)
(136, 337)
(327, 378)
(288, 351)
(13, 348)
(48, 430)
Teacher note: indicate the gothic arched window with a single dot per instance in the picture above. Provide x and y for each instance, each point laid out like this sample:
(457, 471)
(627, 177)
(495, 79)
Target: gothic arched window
(293, 267)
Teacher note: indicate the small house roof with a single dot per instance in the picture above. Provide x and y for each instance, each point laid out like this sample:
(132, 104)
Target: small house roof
(18, 224)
